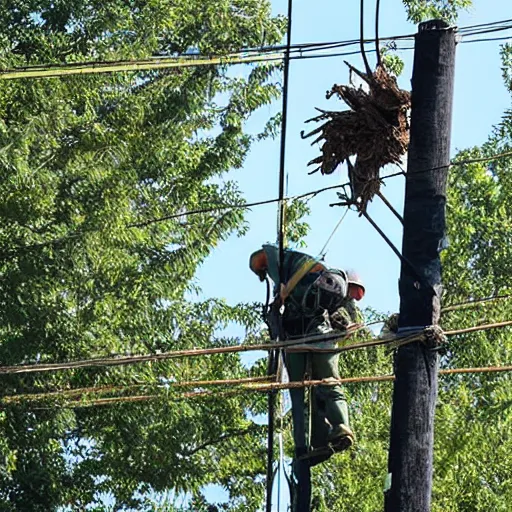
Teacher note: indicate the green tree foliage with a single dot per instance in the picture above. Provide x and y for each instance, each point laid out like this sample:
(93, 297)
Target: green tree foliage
(473, 430)
(295, 227)
(418, 11)
(422, 10)
(87, 164)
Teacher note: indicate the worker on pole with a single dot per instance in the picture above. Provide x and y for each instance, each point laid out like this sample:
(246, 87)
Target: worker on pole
(320, 302)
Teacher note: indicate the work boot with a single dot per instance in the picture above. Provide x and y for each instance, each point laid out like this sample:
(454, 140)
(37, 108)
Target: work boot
(318, 455)
(341, 437)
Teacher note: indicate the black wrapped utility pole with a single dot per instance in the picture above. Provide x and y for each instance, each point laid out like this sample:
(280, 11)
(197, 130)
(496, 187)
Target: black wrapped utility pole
(416, 366)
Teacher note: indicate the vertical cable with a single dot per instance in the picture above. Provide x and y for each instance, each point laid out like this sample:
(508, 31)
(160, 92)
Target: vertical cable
(361, 39)
(270, 440)
(273, 355)
(282, 159)
(377, 15)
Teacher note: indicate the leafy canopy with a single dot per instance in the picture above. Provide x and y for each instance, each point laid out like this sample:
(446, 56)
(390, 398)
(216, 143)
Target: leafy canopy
(87, 165)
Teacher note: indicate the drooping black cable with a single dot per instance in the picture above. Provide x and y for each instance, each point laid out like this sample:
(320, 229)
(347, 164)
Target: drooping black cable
(273, 355)
(377, 49)
(361, 39)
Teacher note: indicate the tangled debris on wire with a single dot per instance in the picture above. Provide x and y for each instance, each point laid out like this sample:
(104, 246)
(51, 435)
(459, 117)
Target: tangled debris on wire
(375, 130)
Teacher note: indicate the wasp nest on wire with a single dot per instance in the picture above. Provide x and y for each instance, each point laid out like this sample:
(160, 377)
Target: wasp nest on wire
(375, 130)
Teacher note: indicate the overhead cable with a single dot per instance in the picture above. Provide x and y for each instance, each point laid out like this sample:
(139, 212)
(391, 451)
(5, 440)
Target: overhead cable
(164, 218)
(263, 387)
(264, 383)
(273, 355)
(474, 303)
(162, 385)
(290, 344)
(273, 53)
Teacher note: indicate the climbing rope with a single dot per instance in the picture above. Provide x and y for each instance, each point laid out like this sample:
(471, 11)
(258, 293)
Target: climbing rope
(323, 251)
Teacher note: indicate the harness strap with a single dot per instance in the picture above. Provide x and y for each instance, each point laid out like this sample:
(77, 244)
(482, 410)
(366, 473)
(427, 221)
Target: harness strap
(305, 268)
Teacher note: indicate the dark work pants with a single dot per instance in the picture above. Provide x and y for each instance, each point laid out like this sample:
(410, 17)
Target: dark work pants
(329, 400)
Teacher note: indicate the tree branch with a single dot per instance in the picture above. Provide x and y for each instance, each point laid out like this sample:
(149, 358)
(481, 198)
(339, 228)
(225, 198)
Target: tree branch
(227, 435)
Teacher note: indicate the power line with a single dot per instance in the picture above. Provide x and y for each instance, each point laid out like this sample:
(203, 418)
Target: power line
(474, 302)
(249, 55)
(476, 328)
(487, 39)
(298, 345)
(311, 193)
(144, 223)
(454, 163)
(483, 25)
(486, 31)
(264, 387)
(396, 49)
(133, 65)
(66, 393)
(131, 359)
(242, 57)
(262, 383)
(186, 60)
(273, 355)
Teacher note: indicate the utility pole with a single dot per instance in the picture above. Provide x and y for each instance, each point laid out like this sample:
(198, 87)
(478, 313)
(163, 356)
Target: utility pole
(416, 365)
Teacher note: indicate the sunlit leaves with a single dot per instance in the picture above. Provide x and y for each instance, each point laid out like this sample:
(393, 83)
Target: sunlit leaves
(90, 167)
(423, 10)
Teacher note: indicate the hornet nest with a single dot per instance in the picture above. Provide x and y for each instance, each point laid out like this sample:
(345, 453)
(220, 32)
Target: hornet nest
(375, 130)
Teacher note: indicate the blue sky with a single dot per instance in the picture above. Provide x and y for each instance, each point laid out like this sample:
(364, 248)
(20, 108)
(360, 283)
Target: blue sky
(477, 71)
(479, 102)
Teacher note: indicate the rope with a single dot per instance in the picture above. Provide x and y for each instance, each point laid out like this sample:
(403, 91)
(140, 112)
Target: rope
(281, 463)
(323, 251)
(265, 388)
